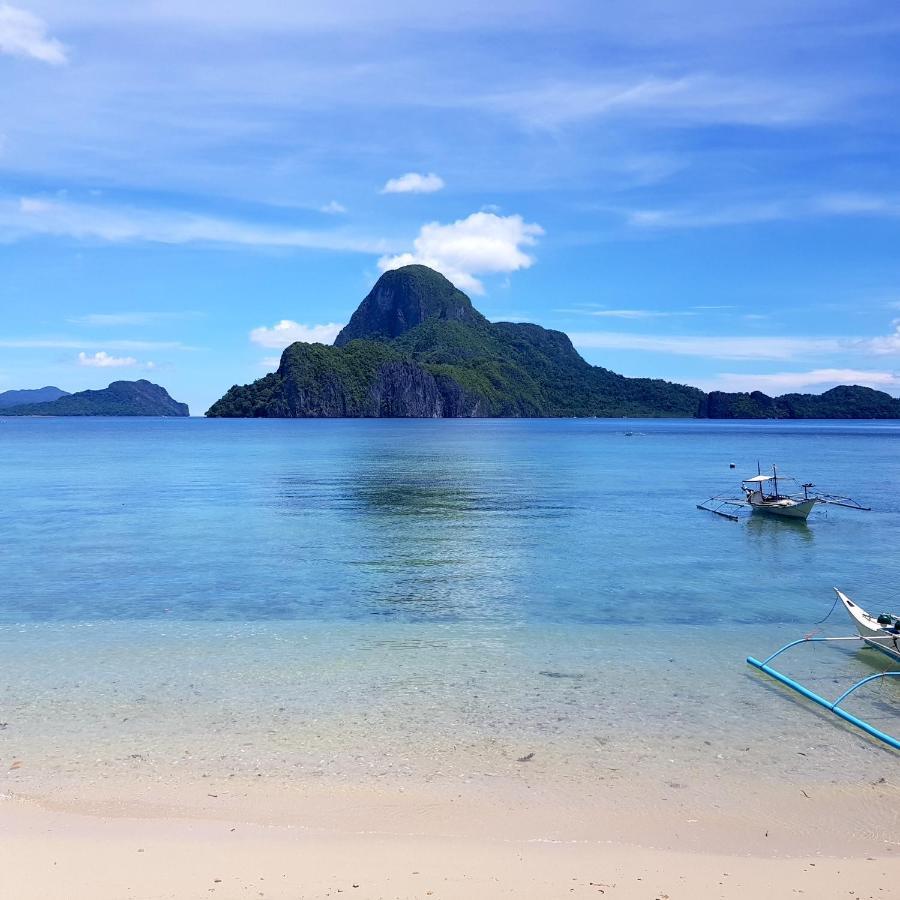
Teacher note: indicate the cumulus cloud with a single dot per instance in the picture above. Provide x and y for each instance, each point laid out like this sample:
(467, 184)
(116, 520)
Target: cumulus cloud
(413, 183)
(24, 34)
(483, 243)
(102, 360)
(287, 332)
(333, 208)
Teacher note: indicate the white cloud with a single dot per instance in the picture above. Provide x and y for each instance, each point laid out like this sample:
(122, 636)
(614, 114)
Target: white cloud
(102, 360)
(483, 243)
(287, 332)
(34, 205)
(333, 208)
(710, 346)
(629, 313)
(787, 382)
(75, 343)
(837, 205)
(270, 362)
(854, 203)
(130, 318)
(734, 215)
(24, 34)
(741, 346)
(692, 99)
(887, 345)
(31, 216)
(414, 183)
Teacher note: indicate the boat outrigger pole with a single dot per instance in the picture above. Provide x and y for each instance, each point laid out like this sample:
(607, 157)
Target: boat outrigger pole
(831, 705)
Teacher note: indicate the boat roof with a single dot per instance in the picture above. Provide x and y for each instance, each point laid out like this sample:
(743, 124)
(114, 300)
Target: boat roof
(760, 478)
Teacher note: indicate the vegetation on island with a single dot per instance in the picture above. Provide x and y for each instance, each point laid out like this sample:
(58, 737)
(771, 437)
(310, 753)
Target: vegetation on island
(417, 347)
(842, 402)
(31, 395)
(121, 398)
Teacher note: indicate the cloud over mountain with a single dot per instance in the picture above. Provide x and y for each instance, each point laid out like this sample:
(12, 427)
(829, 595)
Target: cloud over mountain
(481, 244)
(286, 332)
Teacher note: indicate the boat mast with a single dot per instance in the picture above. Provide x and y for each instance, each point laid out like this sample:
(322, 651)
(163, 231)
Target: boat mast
(775, 479)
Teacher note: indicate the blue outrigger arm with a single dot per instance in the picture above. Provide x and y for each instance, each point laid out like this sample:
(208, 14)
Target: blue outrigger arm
(832, 706)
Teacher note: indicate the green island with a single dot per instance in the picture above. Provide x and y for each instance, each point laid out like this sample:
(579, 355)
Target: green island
(417, 347)
(121, 398)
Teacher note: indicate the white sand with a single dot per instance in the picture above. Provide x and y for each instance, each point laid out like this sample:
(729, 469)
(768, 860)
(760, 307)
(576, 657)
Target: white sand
(462, 841)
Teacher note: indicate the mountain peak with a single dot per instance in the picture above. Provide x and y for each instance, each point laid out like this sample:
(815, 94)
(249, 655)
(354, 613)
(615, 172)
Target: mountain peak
(403, 298)
(31, 395)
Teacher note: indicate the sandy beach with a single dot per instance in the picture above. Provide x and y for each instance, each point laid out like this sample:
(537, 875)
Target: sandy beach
(224, 839)
(297, 778)
(49, 855)
(423, 707)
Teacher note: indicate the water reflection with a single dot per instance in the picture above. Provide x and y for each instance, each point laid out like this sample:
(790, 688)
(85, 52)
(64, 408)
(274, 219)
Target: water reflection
(413, 489)
(439, 536)
(780, 532)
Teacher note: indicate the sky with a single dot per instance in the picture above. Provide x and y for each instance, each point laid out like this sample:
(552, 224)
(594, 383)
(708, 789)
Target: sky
(691, 190)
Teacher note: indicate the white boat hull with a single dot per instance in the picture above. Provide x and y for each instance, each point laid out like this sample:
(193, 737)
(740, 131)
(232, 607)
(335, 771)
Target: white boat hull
(870, 631)
(785, 507)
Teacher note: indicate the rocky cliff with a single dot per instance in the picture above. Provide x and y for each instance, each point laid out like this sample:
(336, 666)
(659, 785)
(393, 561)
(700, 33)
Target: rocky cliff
(416, 347)
(404, 298)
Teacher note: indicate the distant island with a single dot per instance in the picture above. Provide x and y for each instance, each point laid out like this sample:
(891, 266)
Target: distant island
(417, 347)
(121, 398)
(842, 402)
(35, 395)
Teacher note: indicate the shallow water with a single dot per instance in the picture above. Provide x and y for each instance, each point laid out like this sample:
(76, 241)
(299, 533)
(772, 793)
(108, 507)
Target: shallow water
(430, 597)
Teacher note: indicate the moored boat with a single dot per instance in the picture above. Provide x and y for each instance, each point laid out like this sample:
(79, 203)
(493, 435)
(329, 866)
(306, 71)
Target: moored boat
(761, 494)
(881, 632)
(762, 501)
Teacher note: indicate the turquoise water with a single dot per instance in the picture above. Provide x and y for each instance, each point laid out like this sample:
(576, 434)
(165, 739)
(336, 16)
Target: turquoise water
(433, 521)
(223, 584)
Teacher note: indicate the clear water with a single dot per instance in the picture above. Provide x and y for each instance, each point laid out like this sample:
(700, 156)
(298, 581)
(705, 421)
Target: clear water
(339, 596)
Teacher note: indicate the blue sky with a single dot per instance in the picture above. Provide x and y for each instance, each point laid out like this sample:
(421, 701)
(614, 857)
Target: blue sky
(691, 190)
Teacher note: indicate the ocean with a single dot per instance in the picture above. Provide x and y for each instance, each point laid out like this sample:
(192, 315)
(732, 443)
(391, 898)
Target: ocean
(431, 598)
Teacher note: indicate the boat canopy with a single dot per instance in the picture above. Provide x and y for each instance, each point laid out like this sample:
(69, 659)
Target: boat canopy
(759, 478)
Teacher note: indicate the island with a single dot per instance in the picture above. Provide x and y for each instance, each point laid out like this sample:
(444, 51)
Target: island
(121, 398)
(417, 347)
(31, 395)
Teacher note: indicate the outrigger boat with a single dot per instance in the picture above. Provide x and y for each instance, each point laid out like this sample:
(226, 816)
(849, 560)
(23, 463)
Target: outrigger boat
(761, 494)
(879, 632)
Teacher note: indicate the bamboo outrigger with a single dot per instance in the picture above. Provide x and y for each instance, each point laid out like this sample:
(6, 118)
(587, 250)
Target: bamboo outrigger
(880, 633)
